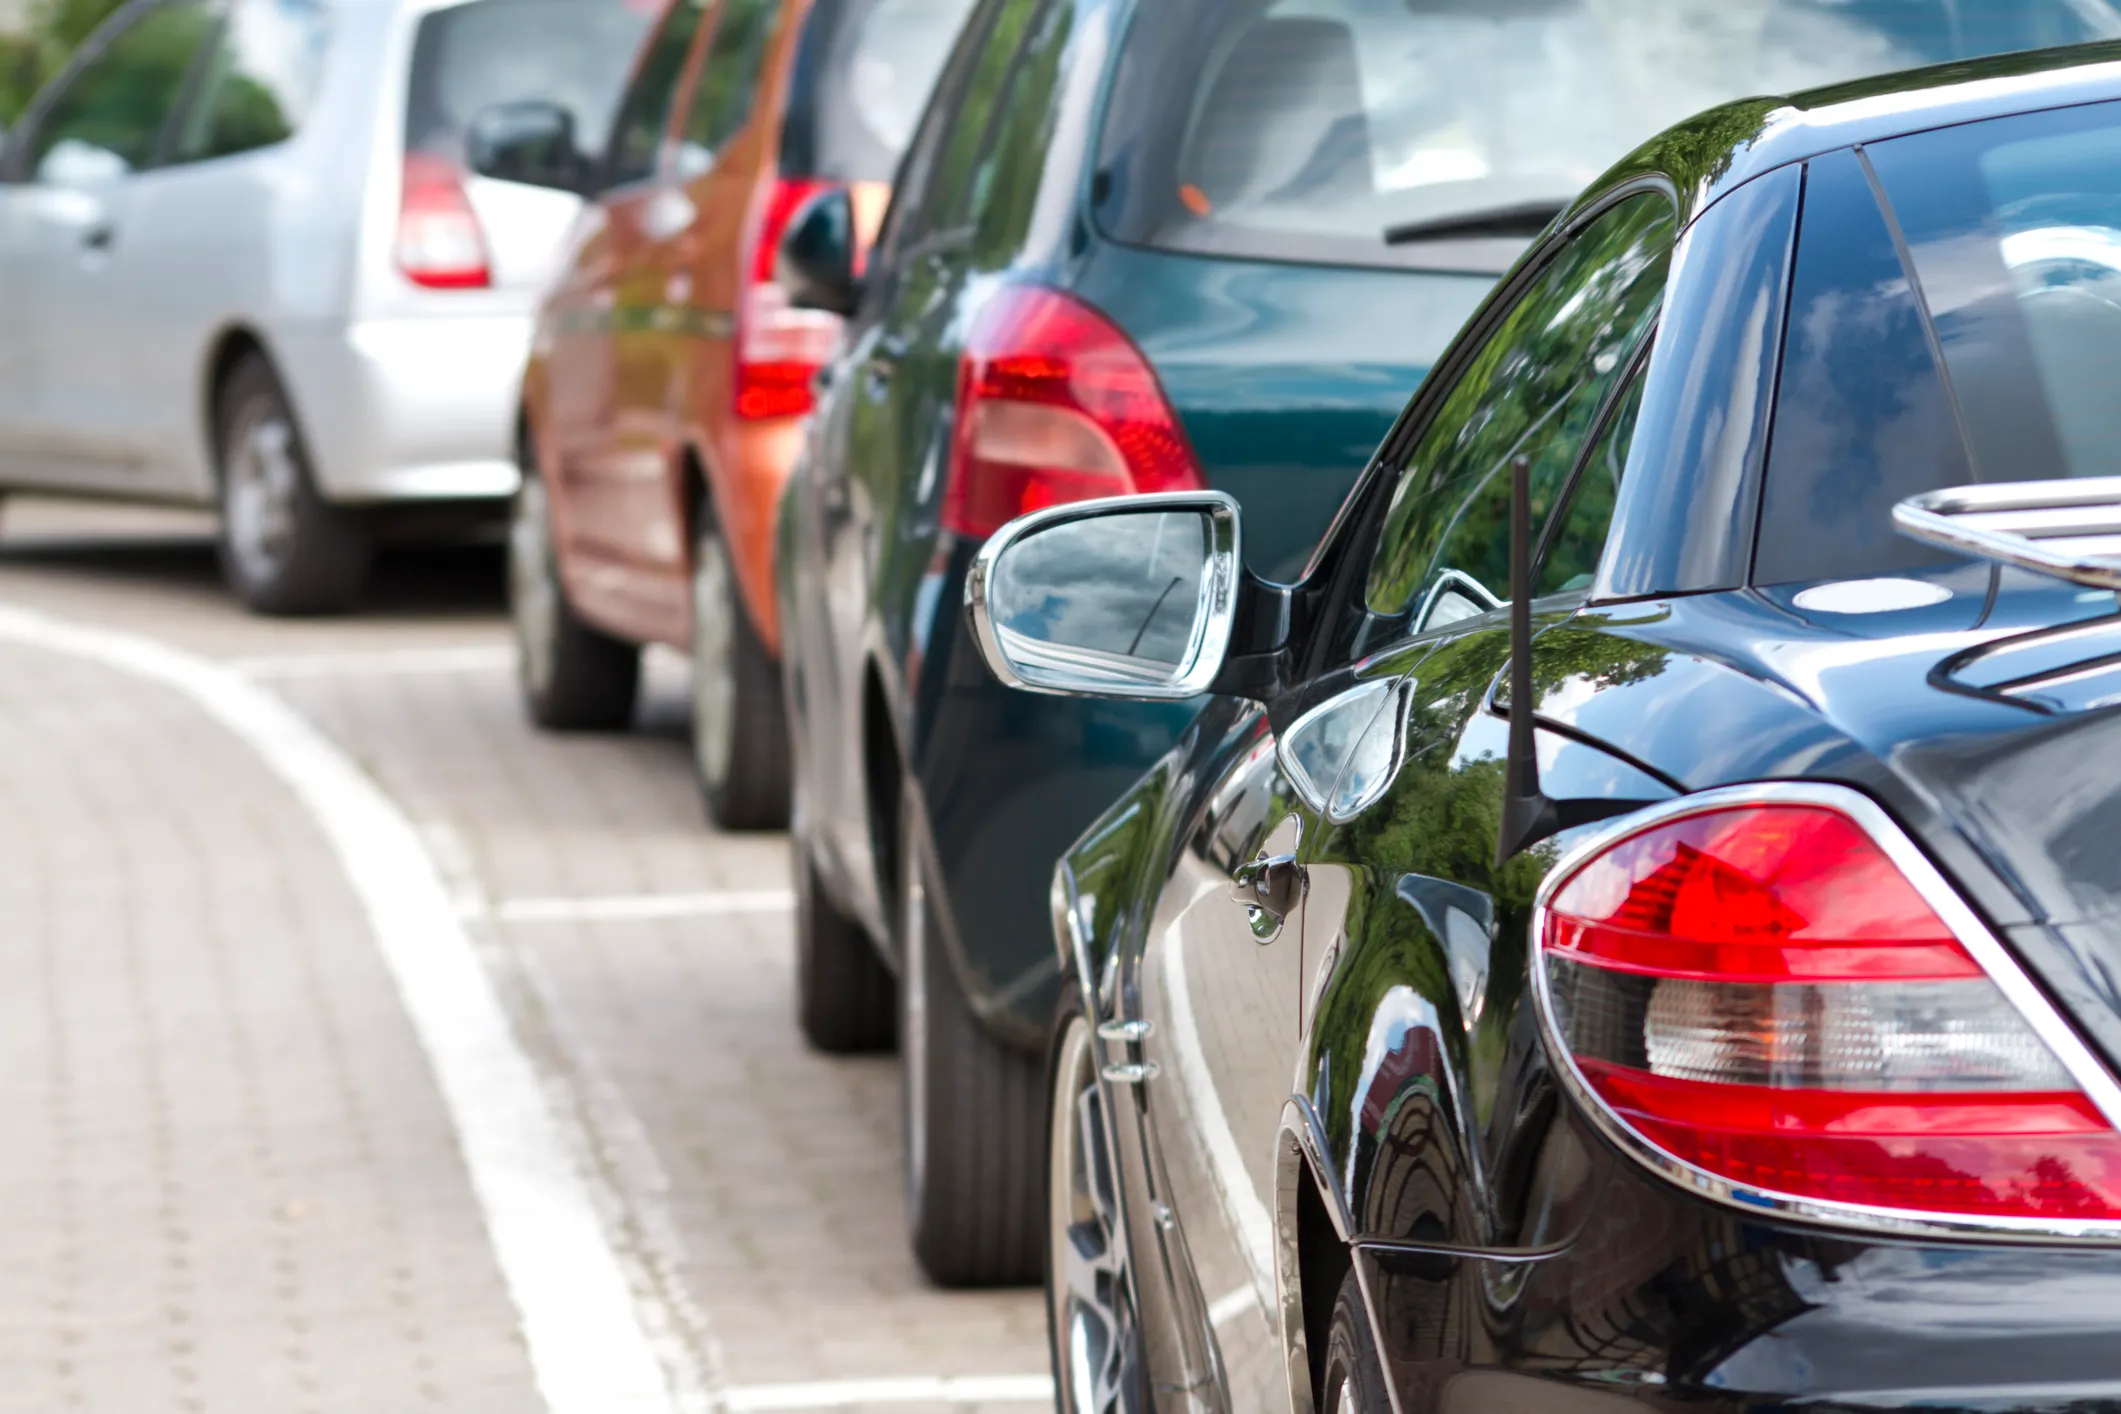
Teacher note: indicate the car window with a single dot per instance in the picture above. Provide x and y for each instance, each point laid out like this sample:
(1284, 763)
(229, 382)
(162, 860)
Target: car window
(2013, 228)
(1532, 392)
(257, 85)
(644, 115)
(1862, 418)
(470, 57)
(110, 117)
(1568, 559)
(863, 75)
(1003, 185)
(916, 183)
(1309, 129)
(959, 165)
(729, 77)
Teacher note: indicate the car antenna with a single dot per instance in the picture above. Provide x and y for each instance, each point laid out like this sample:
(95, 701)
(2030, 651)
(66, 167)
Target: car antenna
(1527, 814)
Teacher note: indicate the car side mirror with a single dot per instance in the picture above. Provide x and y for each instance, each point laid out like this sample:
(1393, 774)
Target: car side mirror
(816, 260)
(1132, 597)
(531, 141)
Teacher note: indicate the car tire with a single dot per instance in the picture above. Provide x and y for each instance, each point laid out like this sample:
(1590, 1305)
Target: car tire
(739, 728)
(574, 678)
(1091, 1325)
(284, 549)
(975, 1110)
(1354, 1376)
(846, 998)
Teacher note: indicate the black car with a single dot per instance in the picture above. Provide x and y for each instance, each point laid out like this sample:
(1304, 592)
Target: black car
(1634, 929)
(1150, 245)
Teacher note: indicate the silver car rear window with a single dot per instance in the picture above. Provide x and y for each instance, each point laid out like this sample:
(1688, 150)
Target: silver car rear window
(469, 57)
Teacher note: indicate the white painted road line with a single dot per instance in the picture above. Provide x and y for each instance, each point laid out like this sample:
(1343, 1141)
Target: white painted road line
(843, 1394)
(634, 908)
(589, 1348)
(466, 658)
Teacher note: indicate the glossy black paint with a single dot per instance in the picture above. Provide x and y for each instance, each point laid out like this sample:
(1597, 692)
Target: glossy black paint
(1379, 1085)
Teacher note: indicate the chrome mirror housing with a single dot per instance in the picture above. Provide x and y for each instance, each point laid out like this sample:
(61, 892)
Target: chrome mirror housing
(1130, 597)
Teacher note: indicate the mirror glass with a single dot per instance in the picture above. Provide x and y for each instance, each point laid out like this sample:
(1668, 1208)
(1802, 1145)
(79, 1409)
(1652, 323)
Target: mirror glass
(1116, 601)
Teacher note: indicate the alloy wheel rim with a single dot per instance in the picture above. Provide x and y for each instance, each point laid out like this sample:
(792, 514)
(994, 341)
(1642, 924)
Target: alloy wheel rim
(262, 481)
(713, 661)
(1087, 1285)
(533, 598)
(913, 1026)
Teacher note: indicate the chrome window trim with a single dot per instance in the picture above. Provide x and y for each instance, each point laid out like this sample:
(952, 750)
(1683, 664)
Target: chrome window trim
(1214, 619)
(1987, 950)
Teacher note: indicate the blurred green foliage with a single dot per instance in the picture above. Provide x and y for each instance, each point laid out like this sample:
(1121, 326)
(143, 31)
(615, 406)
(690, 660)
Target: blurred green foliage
(54, 30)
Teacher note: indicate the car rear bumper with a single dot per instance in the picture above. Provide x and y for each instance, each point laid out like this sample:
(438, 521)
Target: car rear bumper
(410, 409)
(1665, 1300)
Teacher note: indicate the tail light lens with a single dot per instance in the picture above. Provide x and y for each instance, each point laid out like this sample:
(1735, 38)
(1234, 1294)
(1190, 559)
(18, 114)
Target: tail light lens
(779, 349)
(1760, 992)
(440, 245)
(1055, 404)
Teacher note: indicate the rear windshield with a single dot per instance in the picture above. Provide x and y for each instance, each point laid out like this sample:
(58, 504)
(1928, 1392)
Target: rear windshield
(862, 78)
(470, 57)
(1309, 129)
(2014, 229)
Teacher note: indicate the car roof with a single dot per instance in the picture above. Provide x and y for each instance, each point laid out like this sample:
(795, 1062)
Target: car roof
(1717, 151)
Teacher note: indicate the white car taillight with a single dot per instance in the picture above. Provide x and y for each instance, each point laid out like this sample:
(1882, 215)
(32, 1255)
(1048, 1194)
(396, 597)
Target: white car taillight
(1756, 995)
(440, 245)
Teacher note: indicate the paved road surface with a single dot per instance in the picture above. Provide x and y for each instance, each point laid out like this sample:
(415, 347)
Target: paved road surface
(266, 1140)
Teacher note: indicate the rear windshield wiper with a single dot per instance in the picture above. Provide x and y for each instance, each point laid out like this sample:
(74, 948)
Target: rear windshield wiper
(1523, 218)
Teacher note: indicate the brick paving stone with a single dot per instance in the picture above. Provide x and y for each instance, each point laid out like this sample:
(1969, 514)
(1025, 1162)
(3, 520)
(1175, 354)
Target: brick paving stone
(230, 1183)
(763, 1181)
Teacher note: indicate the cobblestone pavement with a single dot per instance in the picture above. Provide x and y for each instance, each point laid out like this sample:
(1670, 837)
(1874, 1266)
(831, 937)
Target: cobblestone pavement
(232, 1179)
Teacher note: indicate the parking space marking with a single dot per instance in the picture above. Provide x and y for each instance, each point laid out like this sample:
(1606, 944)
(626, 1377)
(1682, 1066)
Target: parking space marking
(916, 1389)
(629, 908)
(589, 1348)
(461, 658)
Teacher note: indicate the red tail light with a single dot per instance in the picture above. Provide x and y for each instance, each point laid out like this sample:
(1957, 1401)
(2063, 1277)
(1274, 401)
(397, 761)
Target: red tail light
(1760, 992)
(440, 245)
(1055, 404)
(779, 349)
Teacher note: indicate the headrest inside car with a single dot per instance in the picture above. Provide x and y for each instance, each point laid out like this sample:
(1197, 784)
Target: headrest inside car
(1284, 119)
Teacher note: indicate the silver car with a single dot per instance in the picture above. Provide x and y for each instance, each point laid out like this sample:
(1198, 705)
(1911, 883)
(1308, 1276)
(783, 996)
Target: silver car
(245, 262)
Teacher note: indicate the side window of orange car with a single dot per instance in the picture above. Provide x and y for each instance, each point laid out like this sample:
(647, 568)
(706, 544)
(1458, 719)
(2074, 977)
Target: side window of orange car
(644, 116)
(729, 79)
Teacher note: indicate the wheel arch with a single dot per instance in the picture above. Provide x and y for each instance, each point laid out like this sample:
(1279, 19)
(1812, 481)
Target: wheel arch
(1313, 1252)
(224, 354)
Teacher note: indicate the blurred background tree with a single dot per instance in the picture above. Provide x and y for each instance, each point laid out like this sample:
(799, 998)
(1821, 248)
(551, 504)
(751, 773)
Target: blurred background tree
(50, 31)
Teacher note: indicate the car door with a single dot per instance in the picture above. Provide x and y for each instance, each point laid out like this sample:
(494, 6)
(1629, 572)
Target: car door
(610, 366)
(211, 205)
(883, 427)
(78, 421)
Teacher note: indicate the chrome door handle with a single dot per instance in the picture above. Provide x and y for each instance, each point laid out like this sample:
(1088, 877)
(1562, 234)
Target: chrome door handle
(1270, 888)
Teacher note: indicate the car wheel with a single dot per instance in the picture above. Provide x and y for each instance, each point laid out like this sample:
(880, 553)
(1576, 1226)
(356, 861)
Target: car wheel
(574, 677)
(284, 549)
(1355, 1377)
(1090, 1304)
(974, 1110)
(739, 731)
(846, 999)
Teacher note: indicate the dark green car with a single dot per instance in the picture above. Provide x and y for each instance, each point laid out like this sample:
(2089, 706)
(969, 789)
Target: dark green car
(1149, 245)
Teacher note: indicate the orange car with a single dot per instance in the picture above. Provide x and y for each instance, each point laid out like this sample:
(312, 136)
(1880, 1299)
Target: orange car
(669, 377)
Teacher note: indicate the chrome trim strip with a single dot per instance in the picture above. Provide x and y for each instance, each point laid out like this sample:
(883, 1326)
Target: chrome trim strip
(1937, 891)
(1213, 623)
(2063, 529)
